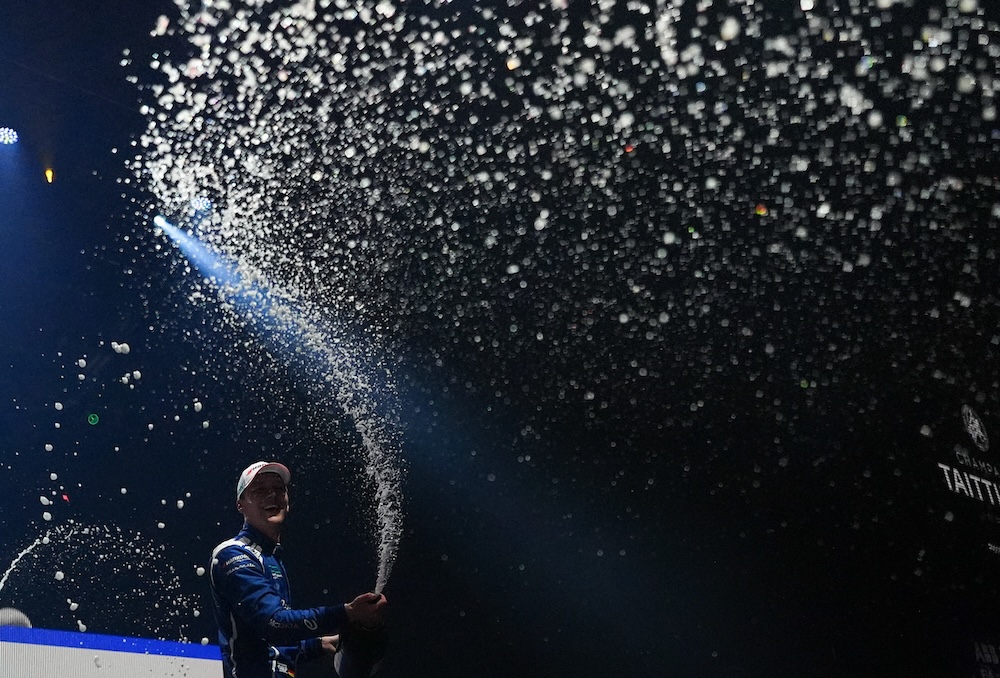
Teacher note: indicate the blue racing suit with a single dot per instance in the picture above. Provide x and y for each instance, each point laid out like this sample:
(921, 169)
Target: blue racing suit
(260, 634)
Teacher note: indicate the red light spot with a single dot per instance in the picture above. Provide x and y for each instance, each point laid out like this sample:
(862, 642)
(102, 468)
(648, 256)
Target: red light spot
(629, 148)
(760, 210)
(65, 497)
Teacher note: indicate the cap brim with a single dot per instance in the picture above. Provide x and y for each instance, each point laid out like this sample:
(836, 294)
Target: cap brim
(275, 467)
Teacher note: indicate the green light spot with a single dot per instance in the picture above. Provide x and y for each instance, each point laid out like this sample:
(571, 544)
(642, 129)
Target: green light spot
(804, 383)
(92, 419)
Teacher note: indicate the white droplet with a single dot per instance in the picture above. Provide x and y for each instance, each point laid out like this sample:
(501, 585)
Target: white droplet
(60, 576)
(47, 516)
(59, 406)
(730, 29)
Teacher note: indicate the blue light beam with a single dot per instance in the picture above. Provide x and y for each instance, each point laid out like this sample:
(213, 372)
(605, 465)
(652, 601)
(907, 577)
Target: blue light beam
(211, 264)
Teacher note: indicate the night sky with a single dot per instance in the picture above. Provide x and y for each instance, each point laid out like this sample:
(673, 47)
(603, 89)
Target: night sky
(677, 321)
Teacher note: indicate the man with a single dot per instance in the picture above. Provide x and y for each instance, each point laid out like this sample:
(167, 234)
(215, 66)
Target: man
(260, 634)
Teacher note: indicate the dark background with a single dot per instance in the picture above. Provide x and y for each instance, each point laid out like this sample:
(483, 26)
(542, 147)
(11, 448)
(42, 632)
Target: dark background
(711, 518)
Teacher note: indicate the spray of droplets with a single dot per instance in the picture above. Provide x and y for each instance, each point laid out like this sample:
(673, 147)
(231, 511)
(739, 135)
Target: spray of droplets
(331, 364)
(537, 190)
(233, 151)
(100, 578)
(630, 174)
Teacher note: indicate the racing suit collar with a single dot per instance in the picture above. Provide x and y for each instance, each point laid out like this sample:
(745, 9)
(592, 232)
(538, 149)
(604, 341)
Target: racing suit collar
(267, 545)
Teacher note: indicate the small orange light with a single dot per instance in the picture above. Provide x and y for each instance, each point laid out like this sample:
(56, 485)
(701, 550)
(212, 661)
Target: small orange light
(50, 175)
(629, 148)
(760, 210)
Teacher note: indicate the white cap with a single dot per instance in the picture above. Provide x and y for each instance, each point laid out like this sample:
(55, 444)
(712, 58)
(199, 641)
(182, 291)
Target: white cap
(251, 471)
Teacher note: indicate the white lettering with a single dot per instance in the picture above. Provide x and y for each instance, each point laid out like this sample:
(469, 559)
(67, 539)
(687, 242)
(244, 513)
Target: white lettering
(974, 482)
(971, 485)
(987, 653)
(991, 489)
(959, 483)
(947, 477)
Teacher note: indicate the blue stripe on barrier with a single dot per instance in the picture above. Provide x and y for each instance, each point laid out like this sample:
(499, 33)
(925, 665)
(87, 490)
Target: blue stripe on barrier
(94, 641)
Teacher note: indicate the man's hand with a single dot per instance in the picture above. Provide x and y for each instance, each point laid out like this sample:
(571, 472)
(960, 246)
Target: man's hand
(367, 609)
(329, 644)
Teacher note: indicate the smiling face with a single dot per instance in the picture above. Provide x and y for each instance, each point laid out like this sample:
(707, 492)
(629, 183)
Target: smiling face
(264, 504)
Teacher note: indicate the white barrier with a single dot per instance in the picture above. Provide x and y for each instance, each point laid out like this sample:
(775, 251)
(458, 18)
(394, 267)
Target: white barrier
(41, 652)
